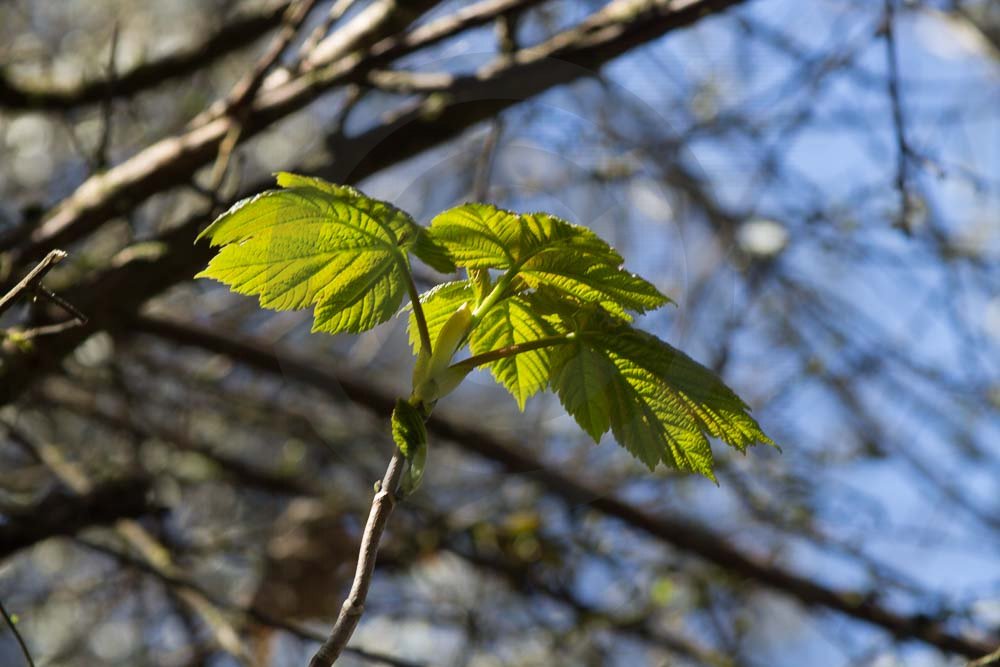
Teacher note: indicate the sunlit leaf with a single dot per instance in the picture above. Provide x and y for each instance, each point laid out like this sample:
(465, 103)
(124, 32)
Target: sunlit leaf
(658, 403)
(514, 321)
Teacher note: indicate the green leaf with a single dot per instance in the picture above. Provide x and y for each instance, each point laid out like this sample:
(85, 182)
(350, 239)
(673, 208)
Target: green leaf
(316, 244)
(410, 435)
(413, 237)
(334, 256)
(439, 304)
(514, 321)
(545, 251)
(482, 236)
(477, 235)
(613, 288)
(659, 403)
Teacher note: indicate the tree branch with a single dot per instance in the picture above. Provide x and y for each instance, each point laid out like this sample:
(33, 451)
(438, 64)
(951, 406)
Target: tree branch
(569, 55)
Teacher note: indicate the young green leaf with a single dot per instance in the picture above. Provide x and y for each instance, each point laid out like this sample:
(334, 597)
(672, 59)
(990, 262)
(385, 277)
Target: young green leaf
(613, 288)
(315, 244)
(658, 402)
(487, 237)
(410, 235)
(514, 321)
(544, 251)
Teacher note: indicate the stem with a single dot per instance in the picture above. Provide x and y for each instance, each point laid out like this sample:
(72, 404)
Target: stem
(17, 635)
(418, 310)
(494, 296)
(511, 350)
(354, 605)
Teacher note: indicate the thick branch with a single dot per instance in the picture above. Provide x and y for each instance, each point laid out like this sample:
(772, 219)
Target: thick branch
(565, 57)
(234, 35)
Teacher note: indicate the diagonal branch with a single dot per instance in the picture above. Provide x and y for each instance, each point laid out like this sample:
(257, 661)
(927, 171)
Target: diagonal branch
(567, 56)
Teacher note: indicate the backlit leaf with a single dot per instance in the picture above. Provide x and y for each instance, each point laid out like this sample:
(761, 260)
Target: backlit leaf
(514, 321)
(659, 403)
(310, 246)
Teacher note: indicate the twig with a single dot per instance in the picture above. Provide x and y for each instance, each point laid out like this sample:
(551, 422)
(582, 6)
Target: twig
(17, 635)
(244, 91)
(30, 281)
(903, 151)
(986, 660)
(338, 9)
(45, 292)
(238, 101)
(487, 158)
(354, 605)
(100, 160)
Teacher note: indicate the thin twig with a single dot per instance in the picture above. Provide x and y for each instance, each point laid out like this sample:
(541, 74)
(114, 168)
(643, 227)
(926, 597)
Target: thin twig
(17, 635)
(244, 91)
(986, 660)
(238, 101)
(30, 281)
(46, 293)
(354, 605)
(903, 151)
(100, 160)
(337, 11)
(47, 330)
(487, 158)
